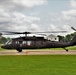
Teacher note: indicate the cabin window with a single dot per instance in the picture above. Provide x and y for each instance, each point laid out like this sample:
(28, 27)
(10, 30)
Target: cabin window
(24, 42)
(17, 42)
(29, 43)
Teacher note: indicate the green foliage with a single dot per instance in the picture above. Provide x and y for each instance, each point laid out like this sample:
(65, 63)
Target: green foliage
(61, 38)
(66, 38)
(3, 39)
(38, 65)
(0, 34)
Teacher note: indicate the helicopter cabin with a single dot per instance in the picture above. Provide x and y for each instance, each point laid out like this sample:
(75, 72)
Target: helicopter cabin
(26, 43)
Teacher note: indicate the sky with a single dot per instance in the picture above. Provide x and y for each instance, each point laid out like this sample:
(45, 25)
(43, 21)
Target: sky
(37, 15)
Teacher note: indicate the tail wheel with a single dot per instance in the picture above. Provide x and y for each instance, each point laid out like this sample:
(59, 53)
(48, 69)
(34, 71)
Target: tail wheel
(66, 49)
(19, 50)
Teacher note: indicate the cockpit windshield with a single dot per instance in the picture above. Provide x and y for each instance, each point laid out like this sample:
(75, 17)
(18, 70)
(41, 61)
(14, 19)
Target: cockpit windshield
(8, 42)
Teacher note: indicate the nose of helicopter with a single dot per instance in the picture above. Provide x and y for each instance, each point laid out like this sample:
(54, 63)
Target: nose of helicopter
(2, 46)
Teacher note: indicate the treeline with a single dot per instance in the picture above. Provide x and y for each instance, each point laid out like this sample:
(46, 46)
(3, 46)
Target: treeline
(3, 39)
(66, 38)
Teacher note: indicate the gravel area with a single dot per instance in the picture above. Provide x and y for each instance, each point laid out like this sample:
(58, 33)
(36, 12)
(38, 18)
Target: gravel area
(38, 52)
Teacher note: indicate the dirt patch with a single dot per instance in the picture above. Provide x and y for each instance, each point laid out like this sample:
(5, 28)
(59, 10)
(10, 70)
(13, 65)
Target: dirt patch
(38, 52)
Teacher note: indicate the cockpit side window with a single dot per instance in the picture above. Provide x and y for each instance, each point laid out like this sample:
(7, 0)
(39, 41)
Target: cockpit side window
(29, 43)
(26, 42)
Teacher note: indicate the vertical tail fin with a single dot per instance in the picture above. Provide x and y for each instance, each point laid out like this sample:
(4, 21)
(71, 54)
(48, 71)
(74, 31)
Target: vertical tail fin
(73, 41)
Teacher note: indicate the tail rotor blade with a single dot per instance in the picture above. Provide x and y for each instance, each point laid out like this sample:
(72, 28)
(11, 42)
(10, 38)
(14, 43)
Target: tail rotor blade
(73, 28)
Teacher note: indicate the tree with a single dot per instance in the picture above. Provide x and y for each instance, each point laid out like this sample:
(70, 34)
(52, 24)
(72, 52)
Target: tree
(70, 36)
(3, 39)
(0, 35)
(61, 38)
(66, 38)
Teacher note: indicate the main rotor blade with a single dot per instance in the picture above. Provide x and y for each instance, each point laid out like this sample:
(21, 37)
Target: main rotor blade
(41, 34)
(16, 32)
(51, 32)
(11, 33)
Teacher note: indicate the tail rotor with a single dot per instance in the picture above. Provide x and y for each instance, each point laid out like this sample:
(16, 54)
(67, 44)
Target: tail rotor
(73, 28)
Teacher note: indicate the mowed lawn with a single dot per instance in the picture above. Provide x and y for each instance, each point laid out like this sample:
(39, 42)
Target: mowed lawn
(38, 65)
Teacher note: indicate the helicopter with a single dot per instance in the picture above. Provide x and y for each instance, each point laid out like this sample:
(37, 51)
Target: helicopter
(35, 42)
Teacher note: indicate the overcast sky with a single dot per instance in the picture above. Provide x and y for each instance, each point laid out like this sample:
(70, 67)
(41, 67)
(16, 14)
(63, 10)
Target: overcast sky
(37, 15)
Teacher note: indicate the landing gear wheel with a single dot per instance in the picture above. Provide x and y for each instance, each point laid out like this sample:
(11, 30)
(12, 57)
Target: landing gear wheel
(19, 50)
(66, 50)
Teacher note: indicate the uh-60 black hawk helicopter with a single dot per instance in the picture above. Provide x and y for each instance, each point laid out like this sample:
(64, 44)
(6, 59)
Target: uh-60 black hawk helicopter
(35, 42)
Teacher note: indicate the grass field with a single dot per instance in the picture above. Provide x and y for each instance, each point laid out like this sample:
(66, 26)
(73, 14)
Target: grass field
(38, 65)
